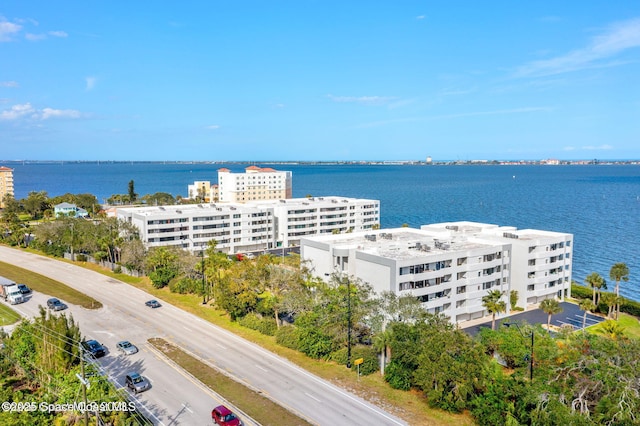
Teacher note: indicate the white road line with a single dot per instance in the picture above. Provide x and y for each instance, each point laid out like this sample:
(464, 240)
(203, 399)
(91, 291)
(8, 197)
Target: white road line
(312, 397)
(262, 368)
(188, 329)
(186, 407)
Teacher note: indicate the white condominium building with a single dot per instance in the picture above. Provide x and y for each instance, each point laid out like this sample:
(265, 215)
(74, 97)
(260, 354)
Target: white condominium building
(202, 190)
(252, 226)
(255, 184)
(450, 266)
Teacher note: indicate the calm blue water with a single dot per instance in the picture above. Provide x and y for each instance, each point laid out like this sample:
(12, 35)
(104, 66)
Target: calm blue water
(600, 205)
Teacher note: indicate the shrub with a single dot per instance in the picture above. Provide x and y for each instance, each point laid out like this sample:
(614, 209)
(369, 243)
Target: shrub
(81, 257)
(397, 376)
(370, 362)
(161, 277)
(117, 269)
(185, 285)
(256, 322)
(288, 337)
(315, 344)
(630, 307)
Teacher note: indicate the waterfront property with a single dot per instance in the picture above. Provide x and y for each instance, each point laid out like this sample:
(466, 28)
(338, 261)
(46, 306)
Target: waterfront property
(250, 226)
(255, 184)
(6, 184)
(449, 267)
(69, 210)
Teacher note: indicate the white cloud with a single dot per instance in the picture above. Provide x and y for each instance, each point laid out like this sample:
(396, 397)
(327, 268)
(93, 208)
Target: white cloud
(90, 83)
(61, 34)
(599, 53)
(420, 17)
(16, 112)
(9, 84)
(366, 100)
(8, 30)
(35, 37)
(213, 127)
(28, 111)
(603, 147)
(48, 113)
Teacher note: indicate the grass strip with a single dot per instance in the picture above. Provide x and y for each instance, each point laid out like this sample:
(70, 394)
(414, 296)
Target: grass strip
(8, 315)
(258, 407)
(48, 286)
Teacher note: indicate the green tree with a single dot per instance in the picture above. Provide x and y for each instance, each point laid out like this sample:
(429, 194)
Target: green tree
(513, 299)
(596, 282)
(586, 305)
(132, 192)
(163, 264)
(550, 307)
(36, 203)
(494, 305)
(609, 299)
(619, 272)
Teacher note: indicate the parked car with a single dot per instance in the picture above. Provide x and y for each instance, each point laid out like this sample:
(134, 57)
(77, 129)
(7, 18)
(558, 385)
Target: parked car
(153, 303)
(56, 304)
(222, 416)
(24, 289)
(94, 348)
(136, 382)
(126, 347)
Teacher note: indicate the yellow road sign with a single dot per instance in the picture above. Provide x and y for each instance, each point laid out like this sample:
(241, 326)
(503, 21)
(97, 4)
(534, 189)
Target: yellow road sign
(358, 361)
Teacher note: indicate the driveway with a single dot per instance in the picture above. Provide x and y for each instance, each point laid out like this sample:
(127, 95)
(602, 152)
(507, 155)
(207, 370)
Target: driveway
(571, 315)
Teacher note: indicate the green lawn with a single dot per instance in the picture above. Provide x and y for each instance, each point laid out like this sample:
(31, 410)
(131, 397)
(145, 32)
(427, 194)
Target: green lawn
(8, 315)
(630, 324)
(46, 285)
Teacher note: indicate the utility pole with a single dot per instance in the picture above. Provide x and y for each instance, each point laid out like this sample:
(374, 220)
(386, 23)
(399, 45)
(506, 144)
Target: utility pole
(204, 300)
(84, 382)
(348, 323)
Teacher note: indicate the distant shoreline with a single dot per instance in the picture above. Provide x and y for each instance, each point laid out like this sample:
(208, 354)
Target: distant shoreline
(354, 162)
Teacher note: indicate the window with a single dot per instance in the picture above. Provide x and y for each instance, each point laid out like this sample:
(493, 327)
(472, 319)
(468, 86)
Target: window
(531, 287)
(461, 289)
(461, 303)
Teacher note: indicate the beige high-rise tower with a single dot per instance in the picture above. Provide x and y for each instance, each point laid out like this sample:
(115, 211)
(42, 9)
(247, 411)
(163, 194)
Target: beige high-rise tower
(6, 183)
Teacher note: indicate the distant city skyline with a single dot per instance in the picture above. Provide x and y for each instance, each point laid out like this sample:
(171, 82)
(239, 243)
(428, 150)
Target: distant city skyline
(326, 81)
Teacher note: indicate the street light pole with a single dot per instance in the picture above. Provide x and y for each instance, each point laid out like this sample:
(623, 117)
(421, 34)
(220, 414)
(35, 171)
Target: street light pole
(532, 335)
(204, 301)
(348, 323)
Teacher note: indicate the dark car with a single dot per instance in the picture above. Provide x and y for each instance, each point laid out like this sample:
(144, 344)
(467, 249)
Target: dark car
(56, 304)
(221, 415)
(24, 289)
(136, 382)
(153, 303)
(94, 348)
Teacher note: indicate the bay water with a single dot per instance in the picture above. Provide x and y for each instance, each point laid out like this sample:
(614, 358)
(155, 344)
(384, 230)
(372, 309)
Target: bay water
(598, 204)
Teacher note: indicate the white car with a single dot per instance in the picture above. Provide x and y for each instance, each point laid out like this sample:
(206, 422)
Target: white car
(127, 348)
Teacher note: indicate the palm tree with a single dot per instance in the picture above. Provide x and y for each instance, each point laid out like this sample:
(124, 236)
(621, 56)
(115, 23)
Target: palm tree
(619, 271)
(609, 300)
(550, 307)
(494, 305)
(595, 281)
(586, 305)
(381, 343)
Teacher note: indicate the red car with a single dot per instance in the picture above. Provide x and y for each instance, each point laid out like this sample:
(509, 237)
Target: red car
(222, 416)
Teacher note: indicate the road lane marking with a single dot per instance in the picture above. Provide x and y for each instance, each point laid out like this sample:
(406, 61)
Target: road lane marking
(262, 368)
(188, 329)
(312, 397)
(186, 407)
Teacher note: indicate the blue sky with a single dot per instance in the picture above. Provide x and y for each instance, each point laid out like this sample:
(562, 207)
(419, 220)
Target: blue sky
(319, 80)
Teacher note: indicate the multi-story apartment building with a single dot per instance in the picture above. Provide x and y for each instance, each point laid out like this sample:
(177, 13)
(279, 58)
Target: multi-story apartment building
(6, 183)
(255, 184)
(449, 267)
(252, 226)
(202, 190)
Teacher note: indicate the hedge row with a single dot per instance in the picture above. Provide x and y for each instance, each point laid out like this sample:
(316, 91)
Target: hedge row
(628, 306)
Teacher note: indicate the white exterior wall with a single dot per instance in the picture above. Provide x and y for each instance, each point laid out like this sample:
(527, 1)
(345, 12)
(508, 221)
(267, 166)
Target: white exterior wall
(237, 228)
(255, 184)
(463, 263)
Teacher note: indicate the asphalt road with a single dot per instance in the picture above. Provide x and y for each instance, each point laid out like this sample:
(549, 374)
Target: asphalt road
(175, 398)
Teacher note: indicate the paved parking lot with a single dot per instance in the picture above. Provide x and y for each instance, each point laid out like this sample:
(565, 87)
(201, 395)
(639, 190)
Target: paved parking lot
(570, 315)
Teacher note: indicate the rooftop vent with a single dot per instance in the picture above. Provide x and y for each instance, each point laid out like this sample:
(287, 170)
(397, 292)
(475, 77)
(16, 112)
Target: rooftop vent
(201, 206)
(452, 227)
(510, 235)
(370, 237)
